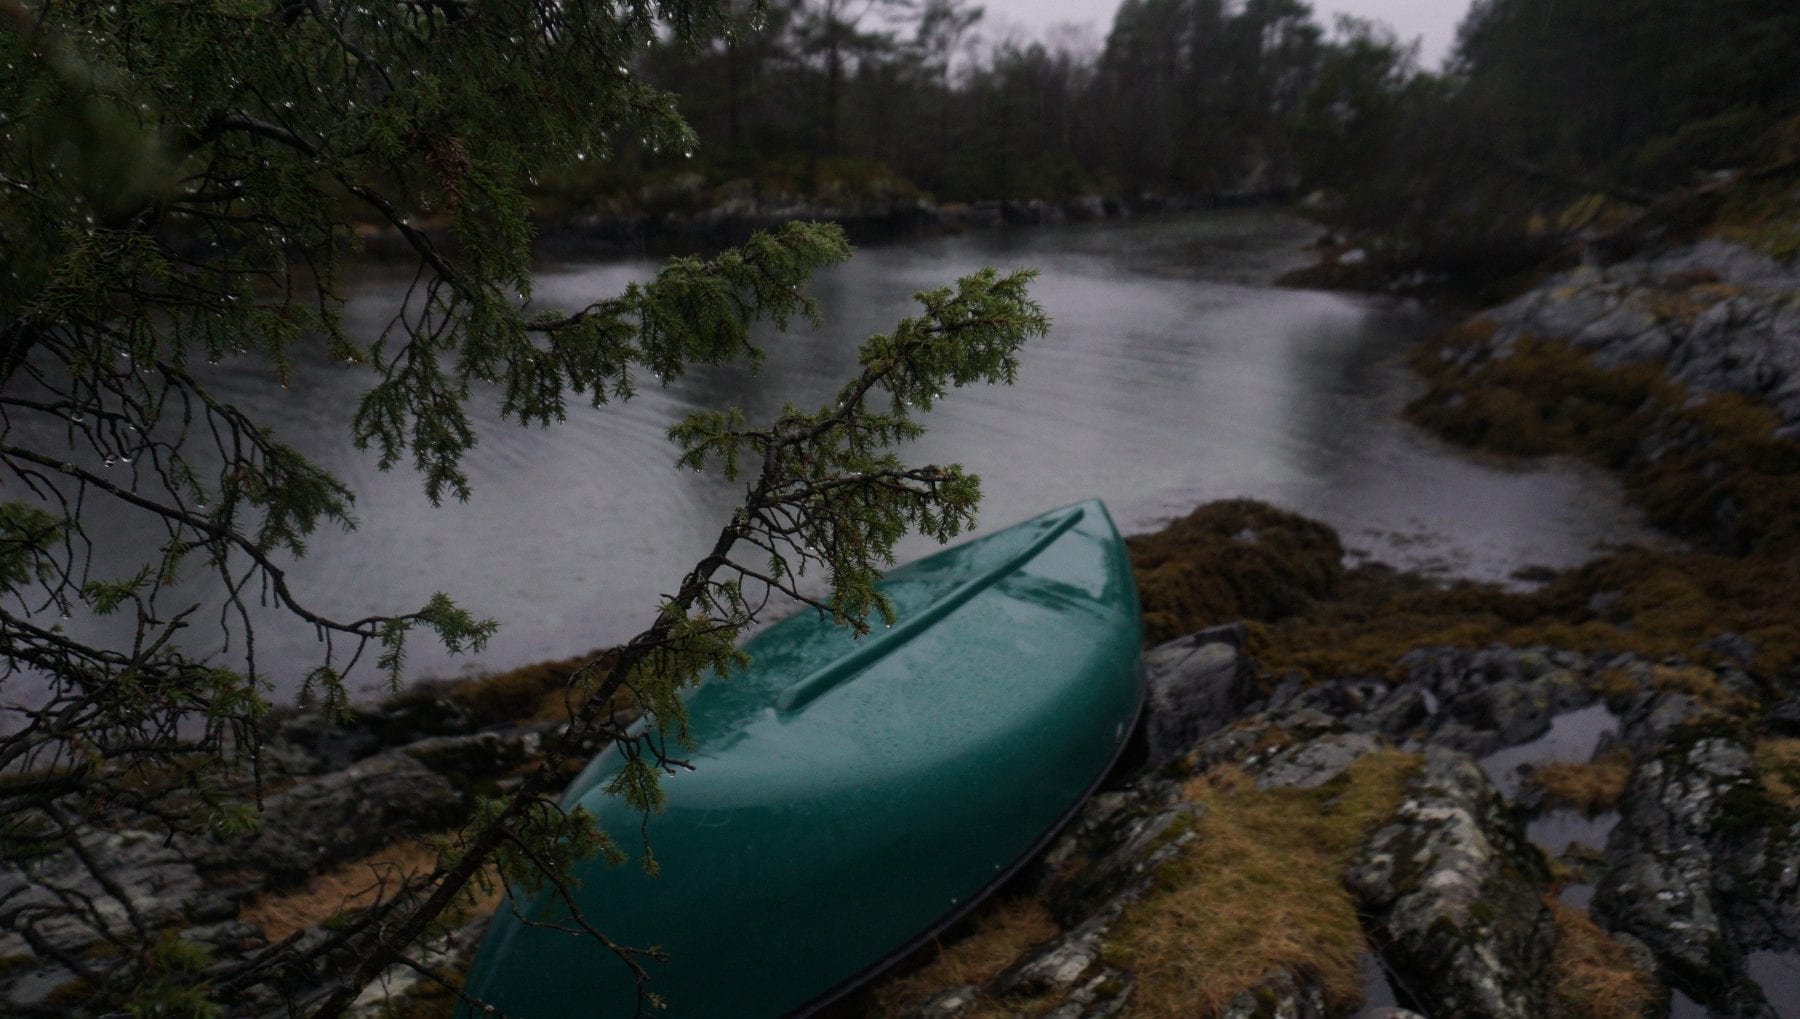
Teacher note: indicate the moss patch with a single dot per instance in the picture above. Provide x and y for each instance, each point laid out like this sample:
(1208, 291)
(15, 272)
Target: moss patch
(1709, 468)
(1542, 398)
(1258, 890)
(1228, 561)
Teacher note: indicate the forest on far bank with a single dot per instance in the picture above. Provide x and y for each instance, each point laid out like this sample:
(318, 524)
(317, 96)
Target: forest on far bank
(1549, 116)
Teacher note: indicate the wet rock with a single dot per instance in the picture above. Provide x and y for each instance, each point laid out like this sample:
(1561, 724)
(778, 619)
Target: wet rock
(1784, 718)
(1103, 996)
(341, 816)
(65, 907)
(1312, 763)
(482, 756)
(1647, 719)
(1719, 317)
(1406, 711)
(1195, 685)
(1449, 891)
(310, 744)
(30, 989)
(1494, 697)
(952, 1003)
(1344, 699)
(1282, 996)
(1110, 853)
(1056, 966)
(1692, 840)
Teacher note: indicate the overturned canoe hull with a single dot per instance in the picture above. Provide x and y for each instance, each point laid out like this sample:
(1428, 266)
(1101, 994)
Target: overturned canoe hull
(849, 797)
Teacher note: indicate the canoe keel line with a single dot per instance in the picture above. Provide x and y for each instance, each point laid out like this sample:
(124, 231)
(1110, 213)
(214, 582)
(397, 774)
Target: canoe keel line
(852, 798)
(924, 937)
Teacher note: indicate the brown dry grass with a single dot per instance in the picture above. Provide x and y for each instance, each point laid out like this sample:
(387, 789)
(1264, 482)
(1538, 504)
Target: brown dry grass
(1591, 787)
(353, 886)
(1260, 889)
(1593, 975)
(1004, 929)
(1778, 762)
(1697, 682)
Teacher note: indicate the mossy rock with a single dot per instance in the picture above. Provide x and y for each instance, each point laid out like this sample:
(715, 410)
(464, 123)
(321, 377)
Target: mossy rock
(1230, 561)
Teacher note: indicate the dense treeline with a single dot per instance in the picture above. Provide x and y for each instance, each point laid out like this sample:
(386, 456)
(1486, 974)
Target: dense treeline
(1184, 96)
(1548, 115)
(1552, 117)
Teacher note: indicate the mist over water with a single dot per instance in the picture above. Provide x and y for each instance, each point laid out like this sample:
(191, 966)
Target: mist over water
(1174, 374)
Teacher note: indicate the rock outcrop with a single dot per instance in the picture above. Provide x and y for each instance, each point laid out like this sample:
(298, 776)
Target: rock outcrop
(1717, 316)
(1451, 892)
(1700, 873)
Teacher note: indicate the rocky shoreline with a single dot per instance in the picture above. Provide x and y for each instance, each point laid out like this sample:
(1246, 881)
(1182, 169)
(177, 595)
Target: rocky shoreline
(685, 216)
(1602, 825)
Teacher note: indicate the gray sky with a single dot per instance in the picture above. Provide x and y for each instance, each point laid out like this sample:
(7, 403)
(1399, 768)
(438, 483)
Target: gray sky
(1432, 21)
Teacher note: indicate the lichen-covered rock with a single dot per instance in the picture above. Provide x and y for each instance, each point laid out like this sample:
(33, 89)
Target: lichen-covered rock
(339, 816)
(1284, 995)
(1314, 762)
(1054, 967)
(311, 744)
(388, 993)
(1104, 995)
(1111, 851)
(59, 904)
(1450, 893)
(1480, 701)
(1719, 317)
(950, 1003)
(1690, 855)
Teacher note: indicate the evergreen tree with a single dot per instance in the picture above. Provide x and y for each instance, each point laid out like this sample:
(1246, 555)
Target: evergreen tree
(178, 185)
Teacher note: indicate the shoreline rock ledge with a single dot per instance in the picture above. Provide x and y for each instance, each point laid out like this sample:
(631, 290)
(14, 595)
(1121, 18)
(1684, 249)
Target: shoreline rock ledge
(1464, 915)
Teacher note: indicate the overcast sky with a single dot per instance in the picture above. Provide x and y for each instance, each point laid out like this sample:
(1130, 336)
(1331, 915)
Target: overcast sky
(1431, 21)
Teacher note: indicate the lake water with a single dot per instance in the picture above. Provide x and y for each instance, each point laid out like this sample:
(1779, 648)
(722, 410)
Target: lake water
(1175, 374)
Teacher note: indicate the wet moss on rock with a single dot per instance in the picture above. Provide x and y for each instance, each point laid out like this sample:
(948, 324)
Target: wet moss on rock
(1231, 561)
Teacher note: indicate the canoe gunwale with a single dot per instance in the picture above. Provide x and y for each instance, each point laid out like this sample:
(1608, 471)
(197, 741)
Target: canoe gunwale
(867, 974)
(808, 688)
(1064, 647)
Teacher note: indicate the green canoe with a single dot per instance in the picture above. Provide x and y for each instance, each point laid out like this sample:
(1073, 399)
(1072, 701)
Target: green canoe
(851, 797)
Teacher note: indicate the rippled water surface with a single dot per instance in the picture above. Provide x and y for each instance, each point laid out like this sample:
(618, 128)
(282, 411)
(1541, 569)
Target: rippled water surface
(1175, 374)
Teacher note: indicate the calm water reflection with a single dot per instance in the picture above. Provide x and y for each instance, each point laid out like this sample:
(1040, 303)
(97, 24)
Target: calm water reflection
(1174, 375)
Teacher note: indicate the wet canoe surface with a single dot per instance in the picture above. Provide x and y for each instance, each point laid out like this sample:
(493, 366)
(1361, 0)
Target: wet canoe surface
(849, 797)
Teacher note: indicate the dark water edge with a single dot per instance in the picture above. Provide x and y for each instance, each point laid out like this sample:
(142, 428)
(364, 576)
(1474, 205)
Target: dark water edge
(1175, 374)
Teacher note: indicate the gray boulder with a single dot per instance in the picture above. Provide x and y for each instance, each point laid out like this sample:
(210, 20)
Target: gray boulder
(1449, 891)
(340, 816)
(1694, 861)
(1284, 995)
(1195, 686)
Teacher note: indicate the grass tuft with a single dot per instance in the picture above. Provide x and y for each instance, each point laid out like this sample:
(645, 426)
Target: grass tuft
(1778, 765)
(1591, 787)
(1259, 890)
(1003, 930)
(346, 889)
(1594, 976)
